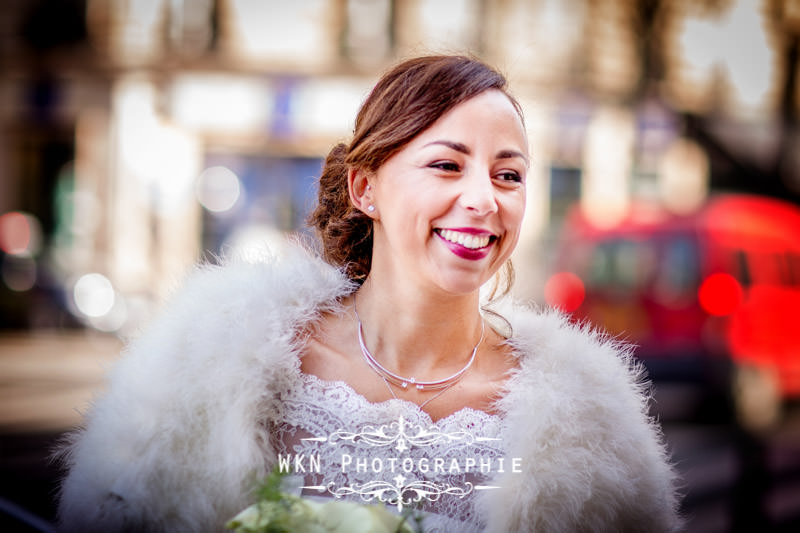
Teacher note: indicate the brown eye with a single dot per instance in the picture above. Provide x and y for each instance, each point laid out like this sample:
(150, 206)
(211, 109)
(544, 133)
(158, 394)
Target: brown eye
(448, 166)
(510, 176)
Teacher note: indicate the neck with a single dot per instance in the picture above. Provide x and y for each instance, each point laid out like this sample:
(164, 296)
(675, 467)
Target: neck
(421, 335)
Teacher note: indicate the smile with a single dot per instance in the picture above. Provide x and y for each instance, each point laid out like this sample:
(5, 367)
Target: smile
(467, 243)
(467, 240)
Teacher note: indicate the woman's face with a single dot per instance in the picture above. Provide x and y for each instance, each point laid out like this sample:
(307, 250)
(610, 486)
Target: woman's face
(449, 205)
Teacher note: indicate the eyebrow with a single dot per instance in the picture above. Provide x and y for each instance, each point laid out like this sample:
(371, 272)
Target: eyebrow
(464, 149)
(509, 154)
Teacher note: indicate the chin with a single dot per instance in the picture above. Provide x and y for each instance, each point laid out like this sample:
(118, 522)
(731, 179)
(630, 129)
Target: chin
(461, 283)
(459, 278)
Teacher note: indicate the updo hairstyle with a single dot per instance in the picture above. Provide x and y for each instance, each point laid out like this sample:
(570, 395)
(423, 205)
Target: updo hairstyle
(406, 101)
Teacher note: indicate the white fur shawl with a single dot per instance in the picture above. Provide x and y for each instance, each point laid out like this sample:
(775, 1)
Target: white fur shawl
(179, 438)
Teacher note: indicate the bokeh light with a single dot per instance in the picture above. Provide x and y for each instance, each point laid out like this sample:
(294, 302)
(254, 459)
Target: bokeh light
(218, 189)
(720, 294)
(564, 290)
(114, 319)
(20, 233)
(94, 295)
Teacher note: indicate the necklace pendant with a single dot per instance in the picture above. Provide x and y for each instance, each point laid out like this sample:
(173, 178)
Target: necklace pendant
(399, 381)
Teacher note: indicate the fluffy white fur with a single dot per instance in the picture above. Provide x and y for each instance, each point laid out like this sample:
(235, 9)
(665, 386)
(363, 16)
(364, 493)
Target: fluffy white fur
(180, 437)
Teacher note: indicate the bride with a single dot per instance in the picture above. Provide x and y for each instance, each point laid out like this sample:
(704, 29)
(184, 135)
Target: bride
(374, 372)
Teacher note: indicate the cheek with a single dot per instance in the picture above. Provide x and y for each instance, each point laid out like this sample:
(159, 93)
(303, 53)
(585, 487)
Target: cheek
(513, 212)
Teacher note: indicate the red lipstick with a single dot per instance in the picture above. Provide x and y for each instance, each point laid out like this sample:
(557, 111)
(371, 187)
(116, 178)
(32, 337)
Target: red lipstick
(472, 254)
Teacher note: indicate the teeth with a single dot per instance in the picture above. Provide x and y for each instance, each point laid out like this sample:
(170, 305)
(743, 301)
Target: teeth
(466, 240)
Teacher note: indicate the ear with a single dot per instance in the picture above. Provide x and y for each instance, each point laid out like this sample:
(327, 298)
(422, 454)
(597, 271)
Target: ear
(360, 190)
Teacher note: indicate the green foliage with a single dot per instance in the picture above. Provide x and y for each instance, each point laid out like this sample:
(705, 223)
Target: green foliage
(277, 511)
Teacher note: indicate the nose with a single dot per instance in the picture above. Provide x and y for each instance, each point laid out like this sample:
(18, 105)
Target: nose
(478, 193)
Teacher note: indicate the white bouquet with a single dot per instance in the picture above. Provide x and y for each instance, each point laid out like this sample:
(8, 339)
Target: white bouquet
(277, 511)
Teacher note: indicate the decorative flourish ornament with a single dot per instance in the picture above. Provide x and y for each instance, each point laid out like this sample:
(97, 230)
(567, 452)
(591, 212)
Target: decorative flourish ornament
(401, 494)
(400, 435)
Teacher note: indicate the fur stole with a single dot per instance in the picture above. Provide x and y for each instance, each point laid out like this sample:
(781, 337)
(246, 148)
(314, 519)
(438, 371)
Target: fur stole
(181, 435)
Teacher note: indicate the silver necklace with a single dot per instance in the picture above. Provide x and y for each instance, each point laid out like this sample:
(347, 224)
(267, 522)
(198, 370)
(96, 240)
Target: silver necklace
(403, 382)
(426, 402)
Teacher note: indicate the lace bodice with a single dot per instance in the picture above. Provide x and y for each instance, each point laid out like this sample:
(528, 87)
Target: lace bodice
(345, 446)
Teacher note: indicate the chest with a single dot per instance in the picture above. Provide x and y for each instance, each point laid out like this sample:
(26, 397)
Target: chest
(476, 390)
(339, 444)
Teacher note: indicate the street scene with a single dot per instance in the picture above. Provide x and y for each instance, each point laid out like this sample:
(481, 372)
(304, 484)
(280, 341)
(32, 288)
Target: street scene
(661, 199)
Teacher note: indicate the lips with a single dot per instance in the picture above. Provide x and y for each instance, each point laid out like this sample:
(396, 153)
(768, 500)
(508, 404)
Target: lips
(468, 243)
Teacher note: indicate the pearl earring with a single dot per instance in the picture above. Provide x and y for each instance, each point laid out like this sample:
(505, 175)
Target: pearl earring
(370, 208)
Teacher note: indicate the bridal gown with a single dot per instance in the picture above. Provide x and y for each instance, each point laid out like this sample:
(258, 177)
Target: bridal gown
(340, 445)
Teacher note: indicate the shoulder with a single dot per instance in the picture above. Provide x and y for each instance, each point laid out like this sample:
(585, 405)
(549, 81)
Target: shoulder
(576, 412)
(579, 379)
(294, 283)
(226, 324)
(578, 376)
(236, 299)
(190, 389)
(550, 344)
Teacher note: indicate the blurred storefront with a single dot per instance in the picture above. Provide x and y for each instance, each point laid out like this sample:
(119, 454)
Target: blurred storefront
(138, 136)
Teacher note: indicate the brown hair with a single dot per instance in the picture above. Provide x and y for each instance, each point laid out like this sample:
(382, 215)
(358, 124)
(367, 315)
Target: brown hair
(407, 100)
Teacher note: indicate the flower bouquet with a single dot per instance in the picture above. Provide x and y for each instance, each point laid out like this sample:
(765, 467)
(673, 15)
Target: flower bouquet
(278, 511)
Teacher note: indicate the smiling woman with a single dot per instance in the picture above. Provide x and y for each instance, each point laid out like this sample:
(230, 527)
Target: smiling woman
(377, 359)
(450, 187)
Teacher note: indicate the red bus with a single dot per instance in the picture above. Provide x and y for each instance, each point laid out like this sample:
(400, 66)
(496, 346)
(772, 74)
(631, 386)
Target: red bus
(711, 298)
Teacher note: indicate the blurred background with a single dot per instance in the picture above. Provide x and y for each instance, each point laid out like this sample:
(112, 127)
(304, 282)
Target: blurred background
(140, 136)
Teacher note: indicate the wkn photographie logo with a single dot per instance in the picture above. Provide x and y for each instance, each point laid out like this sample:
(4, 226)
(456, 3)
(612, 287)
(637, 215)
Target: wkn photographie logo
(384, 456)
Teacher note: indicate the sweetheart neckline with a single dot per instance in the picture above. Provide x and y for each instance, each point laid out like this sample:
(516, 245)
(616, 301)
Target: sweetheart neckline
(397, 401)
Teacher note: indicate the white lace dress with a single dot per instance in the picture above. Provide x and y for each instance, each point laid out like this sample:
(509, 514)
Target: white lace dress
(347, 447)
